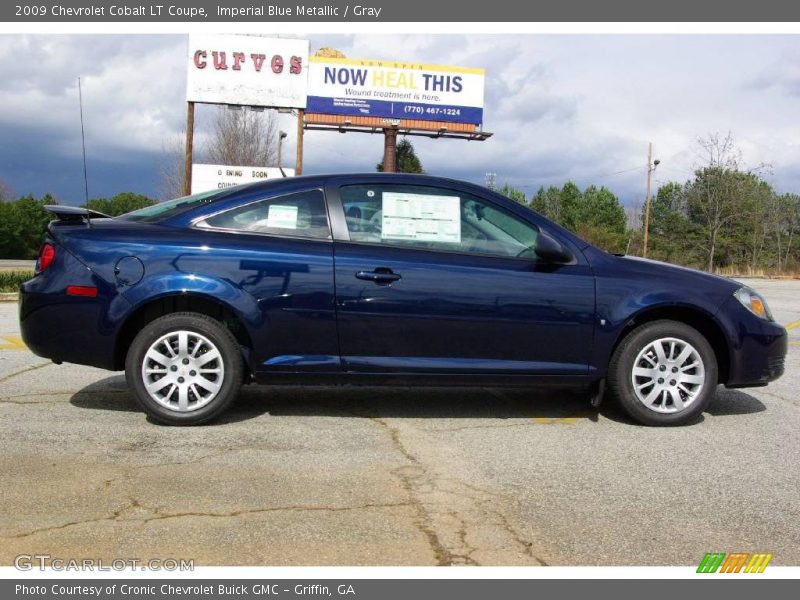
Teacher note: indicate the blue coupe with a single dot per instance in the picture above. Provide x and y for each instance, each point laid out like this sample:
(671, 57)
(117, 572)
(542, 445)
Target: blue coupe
(381, 279)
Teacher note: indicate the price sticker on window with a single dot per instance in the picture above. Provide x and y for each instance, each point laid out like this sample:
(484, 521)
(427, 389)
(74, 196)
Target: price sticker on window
(421, 217)
(282, 216)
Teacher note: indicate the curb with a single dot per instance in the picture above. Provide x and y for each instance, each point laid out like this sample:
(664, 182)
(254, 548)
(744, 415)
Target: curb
(9, 297)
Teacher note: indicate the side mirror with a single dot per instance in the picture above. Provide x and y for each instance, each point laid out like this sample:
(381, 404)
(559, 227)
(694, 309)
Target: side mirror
(551, 250)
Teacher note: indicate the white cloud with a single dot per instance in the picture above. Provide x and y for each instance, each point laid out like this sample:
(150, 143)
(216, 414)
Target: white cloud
(579, 107)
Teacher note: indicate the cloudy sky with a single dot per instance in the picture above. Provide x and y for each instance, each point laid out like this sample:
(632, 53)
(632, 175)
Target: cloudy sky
(579, 107)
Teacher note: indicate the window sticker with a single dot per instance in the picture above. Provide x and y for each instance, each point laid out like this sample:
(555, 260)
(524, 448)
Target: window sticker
(282, 216)
(421, 217)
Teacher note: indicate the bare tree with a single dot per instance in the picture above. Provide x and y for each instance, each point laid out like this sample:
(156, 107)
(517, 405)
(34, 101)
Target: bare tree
(239, 137)
(717, 188)
(6, 193)
(171, 165)
(243, 137)
(786, 222)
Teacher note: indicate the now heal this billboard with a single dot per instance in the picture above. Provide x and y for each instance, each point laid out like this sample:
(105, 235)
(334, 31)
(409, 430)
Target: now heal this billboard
(395, 90)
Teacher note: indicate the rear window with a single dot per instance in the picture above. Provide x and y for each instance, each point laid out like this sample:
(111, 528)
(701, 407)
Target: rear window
(301, 214)
(170, 208)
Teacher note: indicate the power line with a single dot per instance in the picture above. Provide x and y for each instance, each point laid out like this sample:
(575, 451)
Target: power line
(639, 168)
(526, 184)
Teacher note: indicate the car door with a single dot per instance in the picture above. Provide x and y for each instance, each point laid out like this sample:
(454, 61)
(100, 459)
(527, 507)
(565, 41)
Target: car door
(438, 280)
(279, 250)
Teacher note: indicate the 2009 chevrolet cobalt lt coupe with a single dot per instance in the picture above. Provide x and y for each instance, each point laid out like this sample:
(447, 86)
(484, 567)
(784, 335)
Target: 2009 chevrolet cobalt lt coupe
(381, 278)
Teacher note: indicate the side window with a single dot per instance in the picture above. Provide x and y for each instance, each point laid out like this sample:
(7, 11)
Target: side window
(302, 214)
(434, 219)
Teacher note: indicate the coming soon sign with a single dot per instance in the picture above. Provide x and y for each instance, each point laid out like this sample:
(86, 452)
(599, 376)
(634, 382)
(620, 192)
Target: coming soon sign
(395, 90)
(219, 177)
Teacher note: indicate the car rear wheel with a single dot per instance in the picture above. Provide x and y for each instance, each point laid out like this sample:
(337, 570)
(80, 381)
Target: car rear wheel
(184, 368)
(663, 373)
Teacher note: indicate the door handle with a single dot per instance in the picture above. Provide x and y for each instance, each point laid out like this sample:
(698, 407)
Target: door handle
(381, 276)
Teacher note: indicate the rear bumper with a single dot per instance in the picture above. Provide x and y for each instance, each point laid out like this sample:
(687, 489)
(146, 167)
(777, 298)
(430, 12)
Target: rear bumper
(65, 329)
(68, 328)
(757, 348)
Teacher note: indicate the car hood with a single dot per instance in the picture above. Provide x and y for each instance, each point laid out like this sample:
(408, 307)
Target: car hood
(656, 267)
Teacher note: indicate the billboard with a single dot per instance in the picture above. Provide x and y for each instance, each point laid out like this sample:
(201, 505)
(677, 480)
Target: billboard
(247, 70)
(218, 177)
(395, 90)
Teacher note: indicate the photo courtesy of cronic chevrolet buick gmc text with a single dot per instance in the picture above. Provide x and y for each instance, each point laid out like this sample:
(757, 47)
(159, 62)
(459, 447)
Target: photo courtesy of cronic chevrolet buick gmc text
(381, 279)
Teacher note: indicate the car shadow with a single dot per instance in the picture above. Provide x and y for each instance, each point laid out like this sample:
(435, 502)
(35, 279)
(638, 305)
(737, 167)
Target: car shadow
(544, 406)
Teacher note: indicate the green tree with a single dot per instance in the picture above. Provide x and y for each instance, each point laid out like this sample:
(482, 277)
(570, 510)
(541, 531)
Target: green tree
(601, 208)
(600, 219)
(715, 195)
(121, 203)
(22, 226)
(672, 236)
(570, 199)
(513, 193)
(23, 222)
(749, 233)
(595, 214)
(547, 202)
(8, 241)
(786, 227)
(559, 205)
(407, 160)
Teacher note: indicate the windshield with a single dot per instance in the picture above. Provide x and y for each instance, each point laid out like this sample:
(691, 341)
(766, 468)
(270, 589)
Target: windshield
(170, 208)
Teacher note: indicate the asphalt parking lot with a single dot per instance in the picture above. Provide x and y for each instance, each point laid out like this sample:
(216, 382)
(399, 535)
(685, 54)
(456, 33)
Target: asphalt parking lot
(296, 476)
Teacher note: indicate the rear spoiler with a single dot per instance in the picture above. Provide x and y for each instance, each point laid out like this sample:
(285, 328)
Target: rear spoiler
(73, 214)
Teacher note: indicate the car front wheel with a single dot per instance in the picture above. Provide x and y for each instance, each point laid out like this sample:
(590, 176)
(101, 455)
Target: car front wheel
(184, 368)
(663, 373)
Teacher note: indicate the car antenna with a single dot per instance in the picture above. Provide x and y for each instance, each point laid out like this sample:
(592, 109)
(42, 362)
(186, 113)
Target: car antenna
(83, 145)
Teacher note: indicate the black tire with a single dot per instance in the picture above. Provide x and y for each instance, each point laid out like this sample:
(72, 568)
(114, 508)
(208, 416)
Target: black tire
(620, 369)
(216, 333)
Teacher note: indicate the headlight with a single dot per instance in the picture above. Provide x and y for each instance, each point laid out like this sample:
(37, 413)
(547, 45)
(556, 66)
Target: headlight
(754, 302)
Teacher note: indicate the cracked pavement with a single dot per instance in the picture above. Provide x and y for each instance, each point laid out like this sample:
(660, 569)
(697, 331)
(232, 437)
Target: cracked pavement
(393, 476)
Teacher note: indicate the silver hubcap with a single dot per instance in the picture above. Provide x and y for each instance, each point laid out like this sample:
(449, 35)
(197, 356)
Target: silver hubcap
(668, 375)
(183, 371)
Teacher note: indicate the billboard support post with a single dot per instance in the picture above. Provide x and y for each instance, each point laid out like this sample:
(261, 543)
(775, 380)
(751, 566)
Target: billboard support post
(390, 150)
(298, 167)
(187, 169)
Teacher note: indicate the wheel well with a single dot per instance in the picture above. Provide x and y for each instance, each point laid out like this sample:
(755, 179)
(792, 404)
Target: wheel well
(694, 318)
(177, 303)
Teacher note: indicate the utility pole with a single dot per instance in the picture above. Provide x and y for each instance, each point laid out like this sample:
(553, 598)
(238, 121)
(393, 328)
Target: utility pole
(651, 166)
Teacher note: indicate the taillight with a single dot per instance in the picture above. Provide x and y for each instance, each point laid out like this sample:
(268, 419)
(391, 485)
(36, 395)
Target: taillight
(47, 254)
(82, 290)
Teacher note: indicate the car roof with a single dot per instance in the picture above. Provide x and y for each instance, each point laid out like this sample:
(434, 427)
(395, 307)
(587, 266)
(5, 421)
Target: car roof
(231, 197)
(326, 178)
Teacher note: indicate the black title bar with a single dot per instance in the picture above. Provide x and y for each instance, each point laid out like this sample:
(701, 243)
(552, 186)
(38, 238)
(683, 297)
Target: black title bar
(211, 11)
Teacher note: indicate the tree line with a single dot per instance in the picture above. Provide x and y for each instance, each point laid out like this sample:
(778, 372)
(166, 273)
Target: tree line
(23, 221)
(726, 218)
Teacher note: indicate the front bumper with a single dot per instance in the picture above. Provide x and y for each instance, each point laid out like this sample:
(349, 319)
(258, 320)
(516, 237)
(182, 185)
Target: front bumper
(757, 347)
